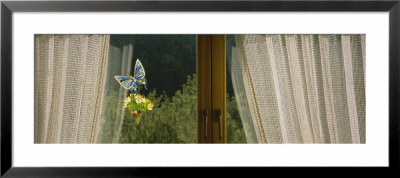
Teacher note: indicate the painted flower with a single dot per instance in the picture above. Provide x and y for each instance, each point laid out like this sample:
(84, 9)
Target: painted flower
(136, 114)
(138, 104)
(150, 106)
(139, 98)
(126, 101)
(136, 95)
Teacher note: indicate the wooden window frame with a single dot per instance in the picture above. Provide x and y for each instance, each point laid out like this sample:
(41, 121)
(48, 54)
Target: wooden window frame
(211, 83)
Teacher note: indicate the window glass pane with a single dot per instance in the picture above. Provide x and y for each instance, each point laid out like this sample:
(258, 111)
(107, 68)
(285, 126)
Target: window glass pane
(115, 88)
(169, 62)
(240, 127)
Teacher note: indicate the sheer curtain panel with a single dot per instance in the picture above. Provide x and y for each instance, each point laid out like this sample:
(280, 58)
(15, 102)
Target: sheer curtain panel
(70, 73)
(120, 63)
(301, 88)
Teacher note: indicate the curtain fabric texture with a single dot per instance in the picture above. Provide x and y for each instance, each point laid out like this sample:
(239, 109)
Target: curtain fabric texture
(300, 88)
(70, 73)
(120, 64)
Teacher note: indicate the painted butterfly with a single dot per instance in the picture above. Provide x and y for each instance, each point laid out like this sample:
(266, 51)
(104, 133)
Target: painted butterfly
(132, 83)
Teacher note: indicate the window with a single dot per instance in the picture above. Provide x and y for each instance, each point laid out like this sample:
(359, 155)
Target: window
(200, 88)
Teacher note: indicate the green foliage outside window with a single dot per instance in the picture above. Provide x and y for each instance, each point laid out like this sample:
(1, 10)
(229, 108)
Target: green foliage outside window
(172, 120)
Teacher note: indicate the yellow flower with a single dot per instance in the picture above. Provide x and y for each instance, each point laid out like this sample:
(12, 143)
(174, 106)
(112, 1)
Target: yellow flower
(150, 106)
(139, 98)
(126, 101)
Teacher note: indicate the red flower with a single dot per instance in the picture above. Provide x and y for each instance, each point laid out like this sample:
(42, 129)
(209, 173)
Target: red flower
(137, 114)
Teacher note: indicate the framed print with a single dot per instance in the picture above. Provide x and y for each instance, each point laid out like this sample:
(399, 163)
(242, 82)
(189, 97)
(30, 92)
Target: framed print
(113, 88)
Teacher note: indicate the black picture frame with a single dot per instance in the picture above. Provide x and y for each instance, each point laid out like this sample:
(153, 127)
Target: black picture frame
(8, 7)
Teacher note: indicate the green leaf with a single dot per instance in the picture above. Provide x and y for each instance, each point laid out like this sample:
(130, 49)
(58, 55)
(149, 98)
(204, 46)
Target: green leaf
(137, 121)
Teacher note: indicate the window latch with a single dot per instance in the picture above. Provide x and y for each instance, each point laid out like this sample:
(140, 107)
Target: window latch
(205, 115)
(218, 119)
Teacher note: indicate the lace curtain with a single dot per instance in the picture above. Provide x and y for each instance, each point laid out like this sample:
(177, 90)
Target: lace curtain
(120, 63)
(300, 88)
(70, 73)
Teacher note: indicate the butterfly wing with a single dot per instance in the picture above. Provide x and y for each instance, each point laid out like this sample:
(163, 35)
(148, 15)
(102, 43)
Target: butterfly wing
(133, 86)
(140, 73)
(126, 82)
